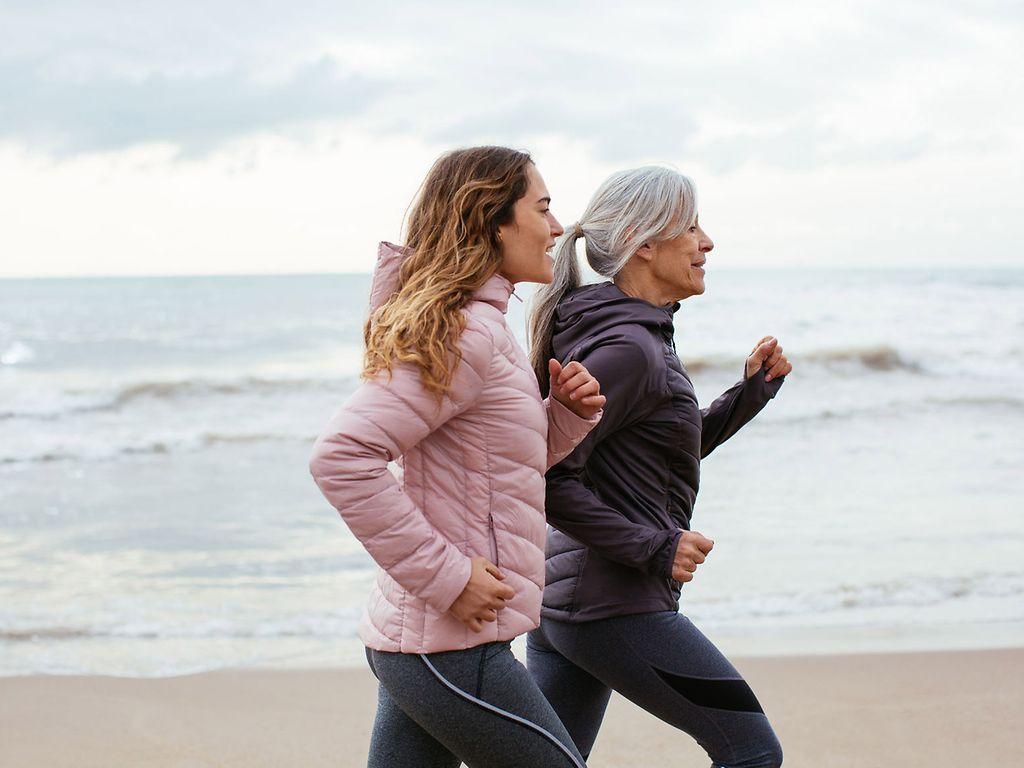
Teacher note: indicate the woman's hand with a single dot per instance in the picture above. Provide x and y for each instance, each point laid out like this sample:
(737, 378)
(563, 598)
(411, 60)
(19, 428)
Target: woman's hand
(691, 551)
(767, 354)
(483, 596)
(575, 388)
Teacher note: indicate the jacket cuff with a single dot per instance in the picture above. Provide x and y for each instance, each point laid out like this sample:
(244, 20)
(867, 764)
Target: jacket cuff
(764, 390)
(566, 429)
(661, 564)
(455, 578)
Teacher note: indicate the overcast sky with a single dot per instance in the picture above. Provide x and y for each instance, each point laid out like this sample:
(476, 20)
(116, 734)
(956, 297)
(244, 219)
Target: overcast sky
(230, 137)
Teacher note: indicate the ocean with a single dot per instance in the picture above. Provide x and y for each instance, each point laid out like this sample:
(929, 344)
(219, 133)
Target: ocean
(157, 516)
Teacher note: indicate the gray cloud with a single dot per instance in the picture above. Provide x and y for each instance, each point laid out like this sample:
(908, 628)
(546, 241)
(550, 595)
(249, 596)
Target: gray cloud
(637, 85)
(196, 112)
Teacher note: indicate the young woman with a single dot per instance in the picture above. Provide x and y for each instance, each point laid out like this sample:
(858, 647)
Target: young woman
(459, 539)
(621, 502)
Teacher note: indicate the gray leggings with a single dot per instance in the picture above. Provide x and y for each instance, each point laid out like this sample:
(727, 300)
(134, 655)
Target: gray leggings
(661, 662)
(478, 706)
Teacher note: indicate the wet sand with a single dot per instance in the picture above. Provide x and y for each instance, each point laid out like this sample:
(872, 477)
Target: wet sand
(908, 709)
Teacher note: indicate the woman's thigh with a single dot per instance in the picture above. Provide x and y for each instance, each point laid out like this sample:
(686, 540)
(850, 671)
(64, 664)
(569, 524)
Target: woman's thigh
(578, 698)
(480, 704)
(664, 664)
(398, 741)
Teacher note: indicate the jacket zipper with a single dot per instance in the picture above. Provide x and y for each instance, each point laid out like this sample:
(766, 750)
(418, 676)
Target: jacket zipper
(494, 539)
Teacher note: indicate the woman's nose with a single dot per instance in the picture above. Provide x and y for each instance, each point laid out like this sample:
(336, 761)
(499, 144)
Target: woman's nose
(707, 244)
(556, 228)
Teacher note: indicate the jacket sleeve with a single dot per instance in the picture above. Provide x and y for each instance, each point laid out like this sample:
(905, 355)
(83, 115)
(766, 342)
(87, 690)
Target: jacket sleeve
(566, 429)
(381, 421)
(627, 378)
(734, 408)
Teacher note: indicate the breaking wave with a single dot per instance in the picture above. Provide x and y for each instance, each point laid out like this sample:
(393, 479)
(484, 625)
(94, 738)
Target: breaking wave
(865, 359)
(74, 401)
(159, 447)
(909, 593)
(17, 353)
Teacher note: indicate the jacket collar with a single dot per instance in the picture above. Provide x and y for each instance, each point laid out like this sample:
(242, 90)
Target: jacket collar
(496, 291)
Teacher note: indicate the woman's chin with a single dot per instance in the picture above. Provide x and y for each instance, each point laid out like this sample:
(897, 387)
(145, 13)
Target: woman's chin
(546, 273)
(690, 289)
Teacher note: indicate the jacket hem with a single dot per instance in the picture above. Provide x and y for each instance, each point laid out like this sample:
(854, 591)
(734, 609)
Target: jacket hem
(593, 613)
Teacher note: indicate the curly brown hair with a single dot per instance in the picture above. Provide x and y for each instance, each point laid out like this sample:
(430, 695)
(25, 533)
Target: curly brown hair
(453, 235)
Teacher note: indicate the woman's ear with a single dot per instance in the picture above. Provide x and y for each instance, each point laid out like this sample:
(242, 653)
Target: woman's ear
(645, 251)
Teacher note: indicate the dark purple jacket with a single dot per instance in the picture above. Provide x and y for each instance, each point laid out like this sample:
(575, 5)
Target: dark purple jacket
(617, 502)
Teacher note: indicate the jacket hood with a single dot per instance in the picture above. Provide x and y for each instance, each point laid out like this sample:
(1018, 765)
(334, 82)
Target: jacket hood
(385, 273)
(591, 310)
(496, 290)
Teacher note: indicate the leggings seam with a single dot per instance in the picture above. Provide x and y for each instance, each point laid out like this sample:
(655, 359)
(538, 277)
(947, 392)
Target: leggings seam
(497, 710)
(480, 670)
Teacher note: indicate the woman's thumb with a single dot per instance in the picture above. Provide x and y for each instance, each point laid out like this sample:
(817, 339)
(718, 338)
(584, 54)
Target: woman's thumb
(765, 348)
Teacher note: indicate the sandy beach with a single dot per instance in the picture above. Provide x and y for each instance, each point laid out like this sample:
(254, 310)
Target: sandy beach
(910, 709)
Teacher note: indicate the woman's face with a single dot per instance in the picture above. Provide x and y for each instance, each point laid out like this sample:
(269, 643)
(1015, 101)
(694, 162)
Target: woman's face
(677, 265)
(526, 240)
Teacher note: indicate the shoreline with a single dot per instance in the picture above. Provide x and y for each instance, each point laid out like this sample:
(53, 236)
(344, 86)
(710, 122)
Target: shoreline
(174, 657)
(935, 708)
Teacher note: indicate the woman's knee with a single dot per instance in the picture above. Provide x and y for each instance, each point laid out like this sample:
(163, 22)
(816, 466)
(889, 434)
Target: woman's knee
(774, 755)
(758, 750)
(769, 752)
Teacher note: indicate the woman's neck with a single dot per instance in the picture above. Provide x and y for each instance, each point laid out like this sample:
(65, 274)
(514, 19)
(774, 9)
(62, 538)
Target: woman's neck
(640, 288)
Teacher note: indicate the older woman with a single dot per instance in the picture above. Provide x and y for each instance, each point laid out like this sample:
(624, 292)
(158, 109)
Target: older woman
(621, 502)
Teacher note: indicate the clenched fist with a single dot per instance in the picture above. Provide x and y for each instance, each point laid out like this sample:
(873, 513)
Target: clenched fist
(575, 388)
(483, 596)
(767, 354)
(692, 550)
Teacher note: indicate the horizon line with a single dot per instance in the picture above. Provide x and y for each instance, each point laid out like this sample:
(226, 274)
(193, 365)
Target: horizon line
(887, 267)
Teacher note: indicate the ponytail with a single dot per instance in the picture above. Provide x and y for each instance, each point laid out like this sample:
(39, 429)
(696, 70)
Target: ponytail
(545, 300)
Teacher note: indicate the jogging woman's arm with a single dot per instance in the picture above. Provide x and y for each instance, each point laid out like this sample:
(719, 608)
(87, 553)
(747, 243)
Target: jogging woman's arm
(625, 372)
(744, 399)
(566, 427)
(381, 421)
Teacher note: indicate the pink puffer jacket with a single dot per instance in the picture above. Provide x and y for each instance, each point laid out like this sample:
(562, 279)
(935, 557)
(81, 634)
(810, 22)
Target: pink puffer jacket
(471, 479)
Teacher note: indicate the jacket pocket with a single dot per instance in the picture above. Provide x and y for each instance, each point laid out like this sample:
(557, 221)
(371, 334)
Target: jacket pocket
(495, 558)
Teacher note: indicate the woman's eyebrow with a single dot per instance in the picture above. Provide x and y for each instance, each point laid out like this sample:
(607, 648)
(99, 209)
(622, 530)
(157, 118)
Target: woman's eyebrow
(544, 200)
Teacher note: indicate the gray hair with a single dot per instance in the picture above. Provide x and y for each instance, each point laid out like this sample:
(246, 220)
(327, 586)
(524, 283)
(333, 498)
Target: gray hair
(633, 207)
